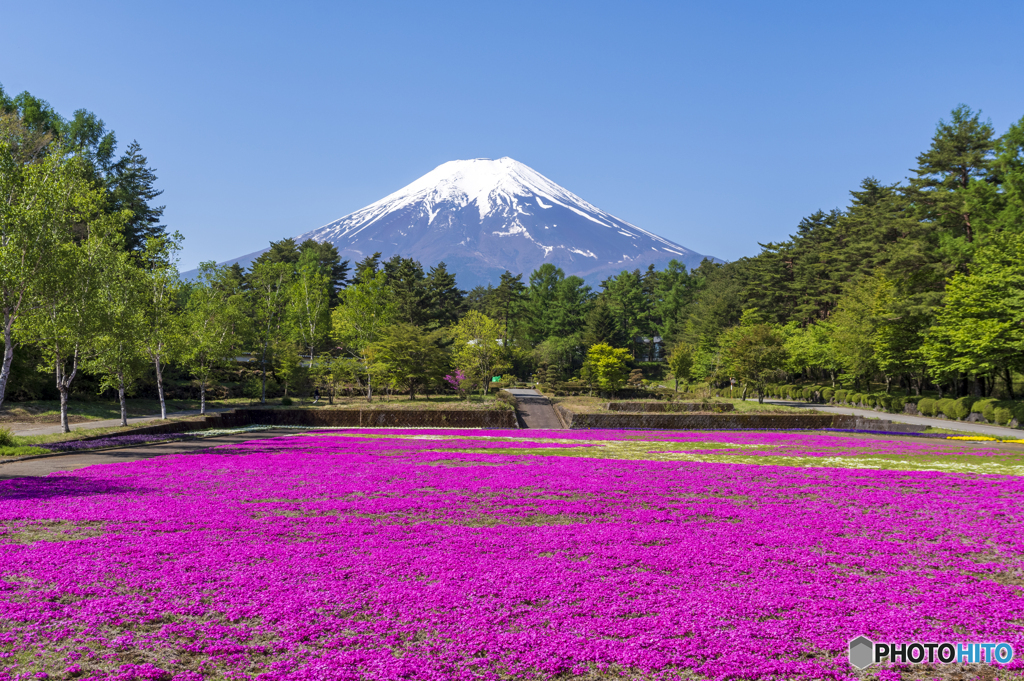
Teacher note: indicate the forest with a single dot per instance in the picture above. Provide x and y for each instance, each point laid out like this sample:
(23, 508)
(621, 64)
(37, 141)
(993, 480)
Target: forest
(915, 288)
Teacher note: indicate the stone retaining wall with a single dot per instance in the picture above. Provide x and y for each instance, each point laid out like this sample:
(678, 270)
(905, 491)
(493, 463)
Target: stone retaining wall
(660, 407)
(382, 418)
(333, 418)
(627, 421)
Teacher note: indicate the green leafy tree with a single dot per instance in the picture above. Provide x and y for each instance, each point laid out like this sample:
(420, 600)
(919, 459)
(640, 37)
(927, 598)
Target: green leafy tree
(215, 323)
(160, 311)
(117, 355)
(366, 310)
(981, 326)
(309, 303)
(607, 366)
(812, 349)
(853, 331)
(475, 346)
(42, 199)
(899, 333)
(66, 313)
(411, 357)
(754, 354)
(329, 372)
(680, 361)
(269, 284)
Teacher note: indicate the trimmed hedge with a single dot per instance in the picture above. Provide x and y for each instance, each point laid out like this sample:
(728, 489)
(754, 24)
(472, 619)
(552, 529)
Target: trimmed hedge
(927, 406)
(1009, 411)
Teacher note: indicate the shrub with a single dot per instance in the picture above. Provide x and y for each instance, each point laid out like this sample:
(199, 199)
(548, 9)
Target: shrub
(884, 401)
(987, 409)
(286, 401)
(898, 403)
(926, 406)
(957, 409)
(841, 395)
(1016, 410)
(7, 437)
(870, 400)
(827, 394)
(964, 405)
(506, 397)
(945, 407)
(1002, 415)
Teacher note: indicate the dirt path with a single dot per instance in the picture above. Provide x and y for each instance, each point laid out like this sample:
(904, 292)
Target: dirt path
(73, 461)
(978, 428)
(536, 410)
(27, 428)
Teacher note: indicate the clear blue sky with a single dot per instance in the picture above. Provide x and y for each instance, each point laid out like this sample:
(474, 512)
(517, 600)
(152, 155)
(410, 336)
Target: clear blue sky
(715, 124)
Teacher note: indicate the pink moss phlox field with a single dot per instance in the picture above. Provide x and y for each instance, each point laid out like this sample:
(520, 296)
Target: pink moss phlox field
(773, 443)
(326, 557)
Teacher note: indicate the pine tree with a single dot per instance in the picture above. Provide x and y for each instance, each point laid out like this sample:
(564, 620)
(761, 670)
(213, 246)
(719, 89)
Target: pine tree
(366, 268)
(131, 188)
(409, 287)
(507, 302)
(601, 325)
(961, 152)
(330, 262)
(445, 301)
(284, 251)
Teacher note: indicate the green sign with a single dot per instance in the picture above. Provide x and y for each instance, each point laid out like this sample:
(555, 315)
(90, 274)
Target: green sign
(495, 379)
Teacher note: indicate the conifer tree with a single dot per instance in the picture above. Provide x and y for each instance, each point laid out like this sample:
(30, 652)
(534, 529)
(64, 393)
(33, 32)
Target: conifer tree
(131, 187)
(444, 300)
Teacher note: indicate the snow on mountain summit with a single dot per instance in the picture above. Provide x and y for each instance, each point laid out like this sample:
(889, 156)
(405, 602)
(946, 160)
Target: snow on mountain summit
(484, 216)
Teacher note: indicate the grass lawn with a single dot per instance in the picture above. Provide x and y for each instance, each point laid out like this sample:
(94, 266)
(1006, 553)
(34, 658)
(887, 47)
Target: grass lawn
(93, 409)
(590, 405)
(384, 554)
(96, 409)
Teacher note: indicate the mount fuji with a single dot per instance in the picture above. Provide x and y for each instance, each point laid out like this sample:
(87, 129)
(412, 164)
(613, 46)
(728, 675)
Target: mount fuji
(483, 216)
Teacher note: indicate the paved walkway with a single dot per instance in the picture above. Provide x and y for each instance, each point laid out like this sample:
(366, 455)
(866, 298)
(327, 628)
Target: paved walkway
(979, 428)
(536, 410)
(74, 461)
(52, 429)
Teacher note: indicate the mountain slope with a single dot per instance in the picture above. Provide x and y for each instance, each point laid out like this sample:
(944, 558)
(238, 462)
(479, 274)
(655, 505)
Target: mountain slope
(484, 216)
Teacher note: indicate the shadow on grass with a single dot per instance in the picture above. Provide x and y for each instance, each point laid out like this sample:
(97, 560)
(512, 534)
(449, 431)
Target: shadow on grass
(59, 487)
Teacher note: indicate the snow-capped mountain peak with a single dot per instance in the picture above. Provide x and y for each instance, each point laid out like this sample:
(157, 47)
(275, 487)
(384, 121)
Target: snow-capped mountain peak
(484, 216)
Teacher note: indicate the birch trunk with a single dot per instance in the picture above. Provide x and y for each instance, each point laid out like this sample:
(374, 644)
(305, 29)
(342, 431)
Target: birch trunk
(202, 398)
(160, 386)
(5, 370)
(64, 427)
(63, 387)
(120, 397)
(263, 370)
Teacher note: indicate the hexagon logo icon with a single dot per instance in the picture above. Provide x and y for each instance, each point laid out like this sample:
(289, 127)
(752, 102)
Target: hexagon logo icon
(862, 652)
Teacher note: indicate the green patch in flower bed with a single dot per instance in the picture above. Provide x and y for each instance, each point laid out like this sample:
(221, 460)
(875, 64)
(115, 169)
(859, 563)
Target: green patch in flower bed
(19, 451)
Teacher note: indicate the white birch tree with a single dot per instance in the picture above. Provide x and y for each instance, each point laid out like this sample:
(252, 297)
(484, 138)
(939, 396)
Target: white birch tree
(117, 356)
(161, 288)
(42, 198)
(214, 324)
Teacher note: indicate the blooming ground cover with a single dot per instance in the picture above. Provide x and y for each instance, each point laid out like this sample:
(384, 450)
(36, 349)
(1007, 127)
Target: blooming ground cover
(473, 555)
